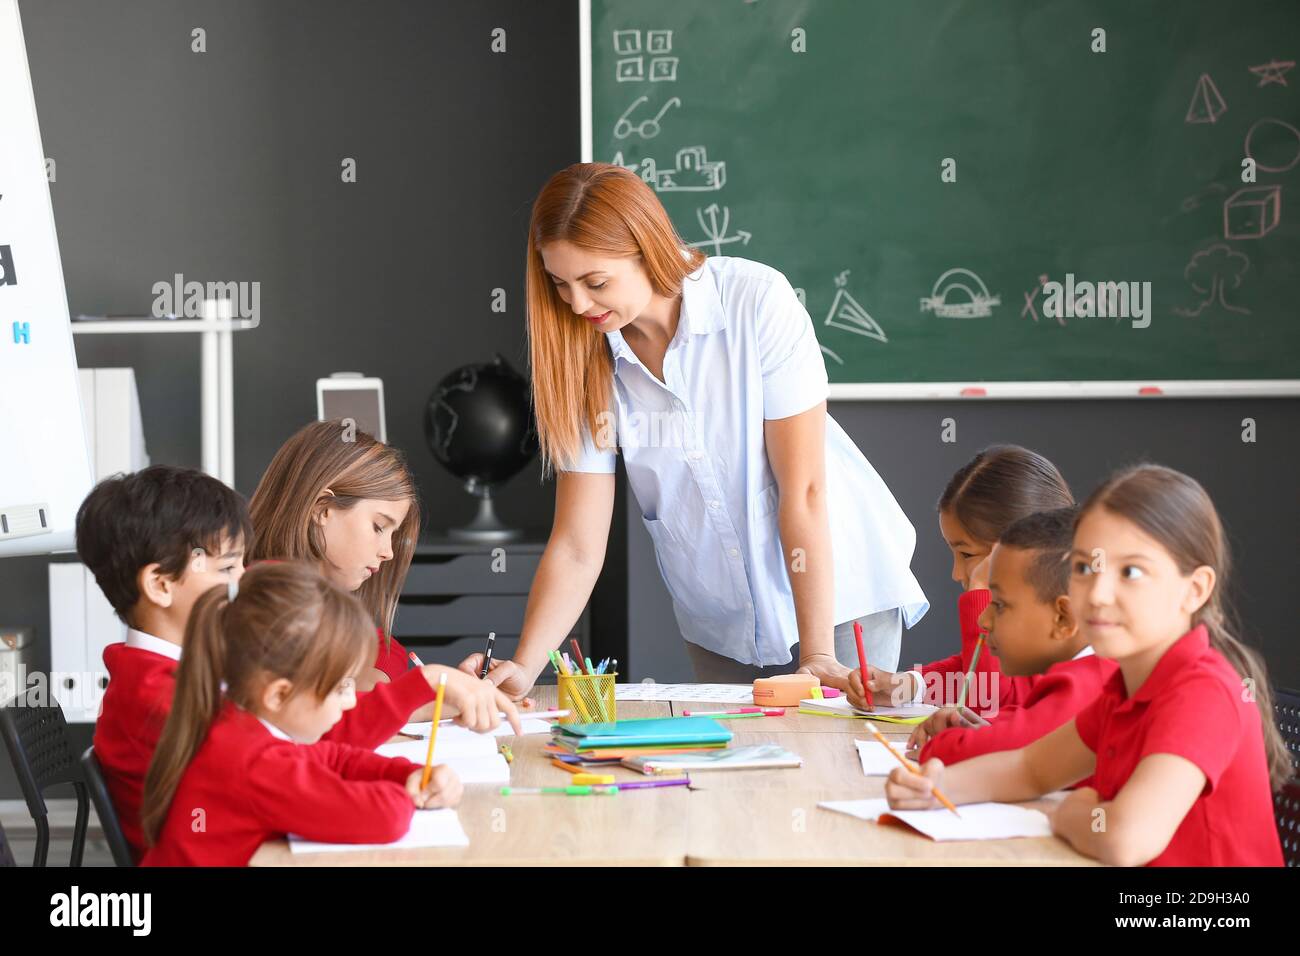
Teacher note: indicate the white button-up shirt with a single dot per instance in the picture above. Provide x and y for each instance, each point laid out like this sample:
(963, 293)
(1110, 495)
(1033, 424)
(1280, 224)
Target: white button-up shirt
(694, 449)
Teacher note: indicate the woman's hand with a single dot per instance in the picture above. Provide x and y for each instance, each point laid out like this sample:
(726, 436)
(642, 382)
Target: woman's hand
(941, 720)
(826, 669)
(444, 789)
(510, 678)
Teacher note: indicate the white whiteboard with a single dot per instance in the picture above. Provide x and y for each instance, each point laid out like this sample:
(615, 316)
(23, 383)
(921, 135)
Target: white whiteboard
(43, 457)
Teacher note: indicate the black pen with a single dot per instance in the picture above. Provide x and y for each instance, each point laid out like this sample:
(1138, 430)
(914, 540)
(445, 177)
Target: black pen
(487, 655)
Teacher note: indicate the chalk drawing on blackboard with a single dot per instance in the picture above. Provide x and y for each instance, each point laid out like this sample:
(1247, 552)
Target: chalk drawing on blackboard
(847, 313)
(833, 355)
(694, 172)
(717, 232)
(972, 299)
(1207, 105)
(629, 70)
(627, 42)
(1252, 212)
(663, 69)
(659, 41)
(1192, 202)
(1270, 135)
(1273, 71)
(647, 128)
(1212, 272)
(1031, 301)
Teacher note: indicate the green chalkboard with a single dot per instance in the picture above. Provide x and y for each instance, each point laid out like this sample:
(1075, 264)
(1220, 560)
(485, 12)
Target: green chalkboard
(812, 136)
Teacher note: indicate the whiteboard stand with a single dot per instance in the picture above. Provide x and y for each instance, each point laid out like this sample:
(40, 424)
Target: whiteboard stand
(217, 373)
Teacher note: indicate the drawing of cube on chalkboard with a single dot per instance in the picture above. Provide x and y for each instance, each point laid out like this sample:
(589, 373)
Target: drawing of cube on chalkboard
(629, 70)
(627, 42)
(694, 173)
(1252, 213)
(663, 68)
(659, 41)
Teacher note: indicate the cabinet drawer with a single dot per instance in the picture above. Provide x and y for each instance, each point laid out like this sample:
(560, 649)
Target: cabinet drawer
(471, 574)
(455, 649)
(460, 616)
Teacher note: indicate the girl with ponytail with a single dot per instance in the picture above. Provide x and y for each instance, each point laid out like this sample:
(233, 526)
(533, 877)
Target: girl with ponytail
(270, 666)
(1181, 740)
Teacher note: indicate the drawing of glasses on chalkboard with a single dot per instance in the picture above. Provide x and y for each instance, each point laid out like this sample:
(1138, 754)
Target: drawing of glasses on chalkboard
(646, 129)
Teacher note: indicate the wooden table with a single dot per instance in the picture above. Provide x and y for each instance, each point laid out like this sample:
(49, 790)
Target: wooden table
(746, 817)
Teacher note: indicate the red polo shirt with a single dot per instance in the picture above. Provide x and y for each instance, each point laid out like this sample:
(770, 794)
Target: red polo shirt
(1192, 705)
(946, 674)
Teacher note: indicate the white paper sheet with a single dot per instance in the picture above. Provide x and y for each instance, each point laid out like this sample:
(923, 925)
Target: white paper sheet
(841, 705)
(875, 761)
(529, 725)
(978, 821)
(428, 828)
(718, 693)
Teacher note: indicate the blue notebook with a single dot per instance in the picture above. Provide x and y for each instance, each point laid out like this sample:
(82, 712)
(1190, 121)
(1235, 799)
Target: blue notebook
(645, 732)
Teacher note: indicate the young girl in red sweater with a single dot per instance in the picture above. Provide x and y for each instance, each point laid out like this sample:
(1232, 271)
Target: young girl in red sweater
(1000, 485)
(270, 666)
(1180, 742)
(346, 503)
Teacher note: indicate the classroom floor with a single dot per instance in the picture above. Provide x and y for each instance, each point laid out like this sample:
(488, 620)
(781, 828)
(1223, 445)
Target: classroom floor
(21, 833)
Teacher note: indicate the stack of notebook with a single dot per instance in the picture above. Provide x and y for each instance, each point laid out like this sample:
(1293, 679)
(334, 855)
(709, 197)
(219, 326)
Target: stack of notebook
(640, 737)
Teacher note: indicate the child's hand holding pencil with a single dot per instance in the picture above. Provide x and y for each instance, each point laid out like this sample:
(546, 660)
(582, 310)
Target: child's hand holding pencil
(906, 790)
(444, 788)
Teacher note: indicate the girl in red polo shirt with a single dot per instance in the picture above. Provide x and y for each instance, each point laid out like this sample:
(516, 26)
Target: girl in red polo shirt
(341, 500)
(1181, 740)
(243, 765)
(996, 488)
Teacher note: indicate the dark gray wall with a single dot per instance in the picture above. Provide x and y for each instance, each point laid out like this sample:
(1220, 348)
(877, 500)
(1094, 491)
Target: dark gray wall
(225, 166)
(1254, 487)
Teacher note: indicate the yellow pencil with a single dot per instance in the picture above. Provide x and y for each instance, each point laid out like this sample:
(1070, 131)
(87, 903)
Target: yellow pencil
(433, 734)
(938, 795)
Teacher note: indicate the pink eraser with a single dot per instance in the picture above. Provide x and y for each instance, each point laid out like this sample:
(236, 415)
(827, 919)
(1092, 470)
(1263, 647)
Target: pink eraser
(830, 692)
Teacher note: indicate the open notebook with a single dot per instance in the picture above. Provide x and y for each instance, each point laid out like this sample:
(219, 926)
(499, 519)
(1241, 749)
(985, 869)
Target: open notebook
(474, 757)
(428, 828)
(978, 821)
(840, 707)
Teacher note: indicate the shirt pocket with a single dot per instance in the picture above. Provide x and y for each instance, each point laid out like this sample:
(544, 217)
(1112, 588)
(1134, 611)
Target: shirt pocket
(767, 502)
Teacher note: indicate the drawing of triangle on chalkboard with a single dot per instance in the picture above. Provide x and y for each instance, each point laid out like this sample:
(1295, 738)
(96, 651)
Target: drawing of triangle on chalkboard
(848, 315)
(1207, 105)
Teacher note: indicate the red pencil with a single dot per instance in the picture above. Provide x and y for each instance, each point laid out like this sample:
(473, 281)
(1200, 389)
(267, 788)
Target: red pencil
(862, 665)
(577, 654)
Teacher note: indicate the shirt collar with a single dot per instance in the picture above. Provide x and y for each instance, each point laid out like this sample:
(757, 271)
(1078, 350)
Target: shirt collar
(1086, 652)
(1183, 651)
(702, 313)
(154, 645)
(273, 730)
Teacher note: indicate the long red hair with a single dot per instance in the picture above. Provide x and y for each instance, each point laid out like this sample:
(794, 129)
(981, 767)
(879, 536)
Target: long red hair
(608, 211)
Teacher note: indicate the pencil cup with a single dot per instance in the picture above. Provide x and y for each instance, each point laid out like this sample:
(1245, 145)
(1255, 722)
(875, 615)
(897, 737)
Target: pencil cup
(589, 698)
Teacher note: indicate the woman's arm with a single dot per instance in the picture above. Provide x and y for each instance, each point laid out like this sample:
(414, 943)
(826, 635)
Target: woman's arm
(796, 451)
(566, 575)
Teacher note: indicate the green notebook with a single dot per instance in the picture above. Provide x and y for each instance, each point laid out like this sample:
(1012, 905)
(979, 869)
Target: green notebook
(646, 732)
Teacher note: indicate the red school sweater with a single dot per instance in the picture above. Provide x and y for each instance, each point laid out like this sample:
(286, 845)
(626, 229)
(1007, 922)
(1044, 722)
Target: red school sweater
(139, 698)
(246, 786)
(1055, 697)
(941, 675)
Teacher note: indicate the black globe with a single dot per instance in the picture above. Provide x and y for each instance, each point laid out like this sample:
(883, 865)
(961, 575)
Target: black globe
(479, 423)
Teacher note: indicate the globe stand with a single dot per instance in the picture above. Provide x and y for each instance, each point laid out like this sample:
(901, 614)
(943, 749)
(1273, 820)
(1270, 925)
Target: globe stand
(486, 526)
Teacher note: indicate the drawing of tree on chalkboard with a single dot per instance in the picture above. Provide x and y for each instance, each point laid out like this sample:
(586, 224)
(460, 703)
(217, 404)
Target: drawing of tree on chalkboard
(1212, 271)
